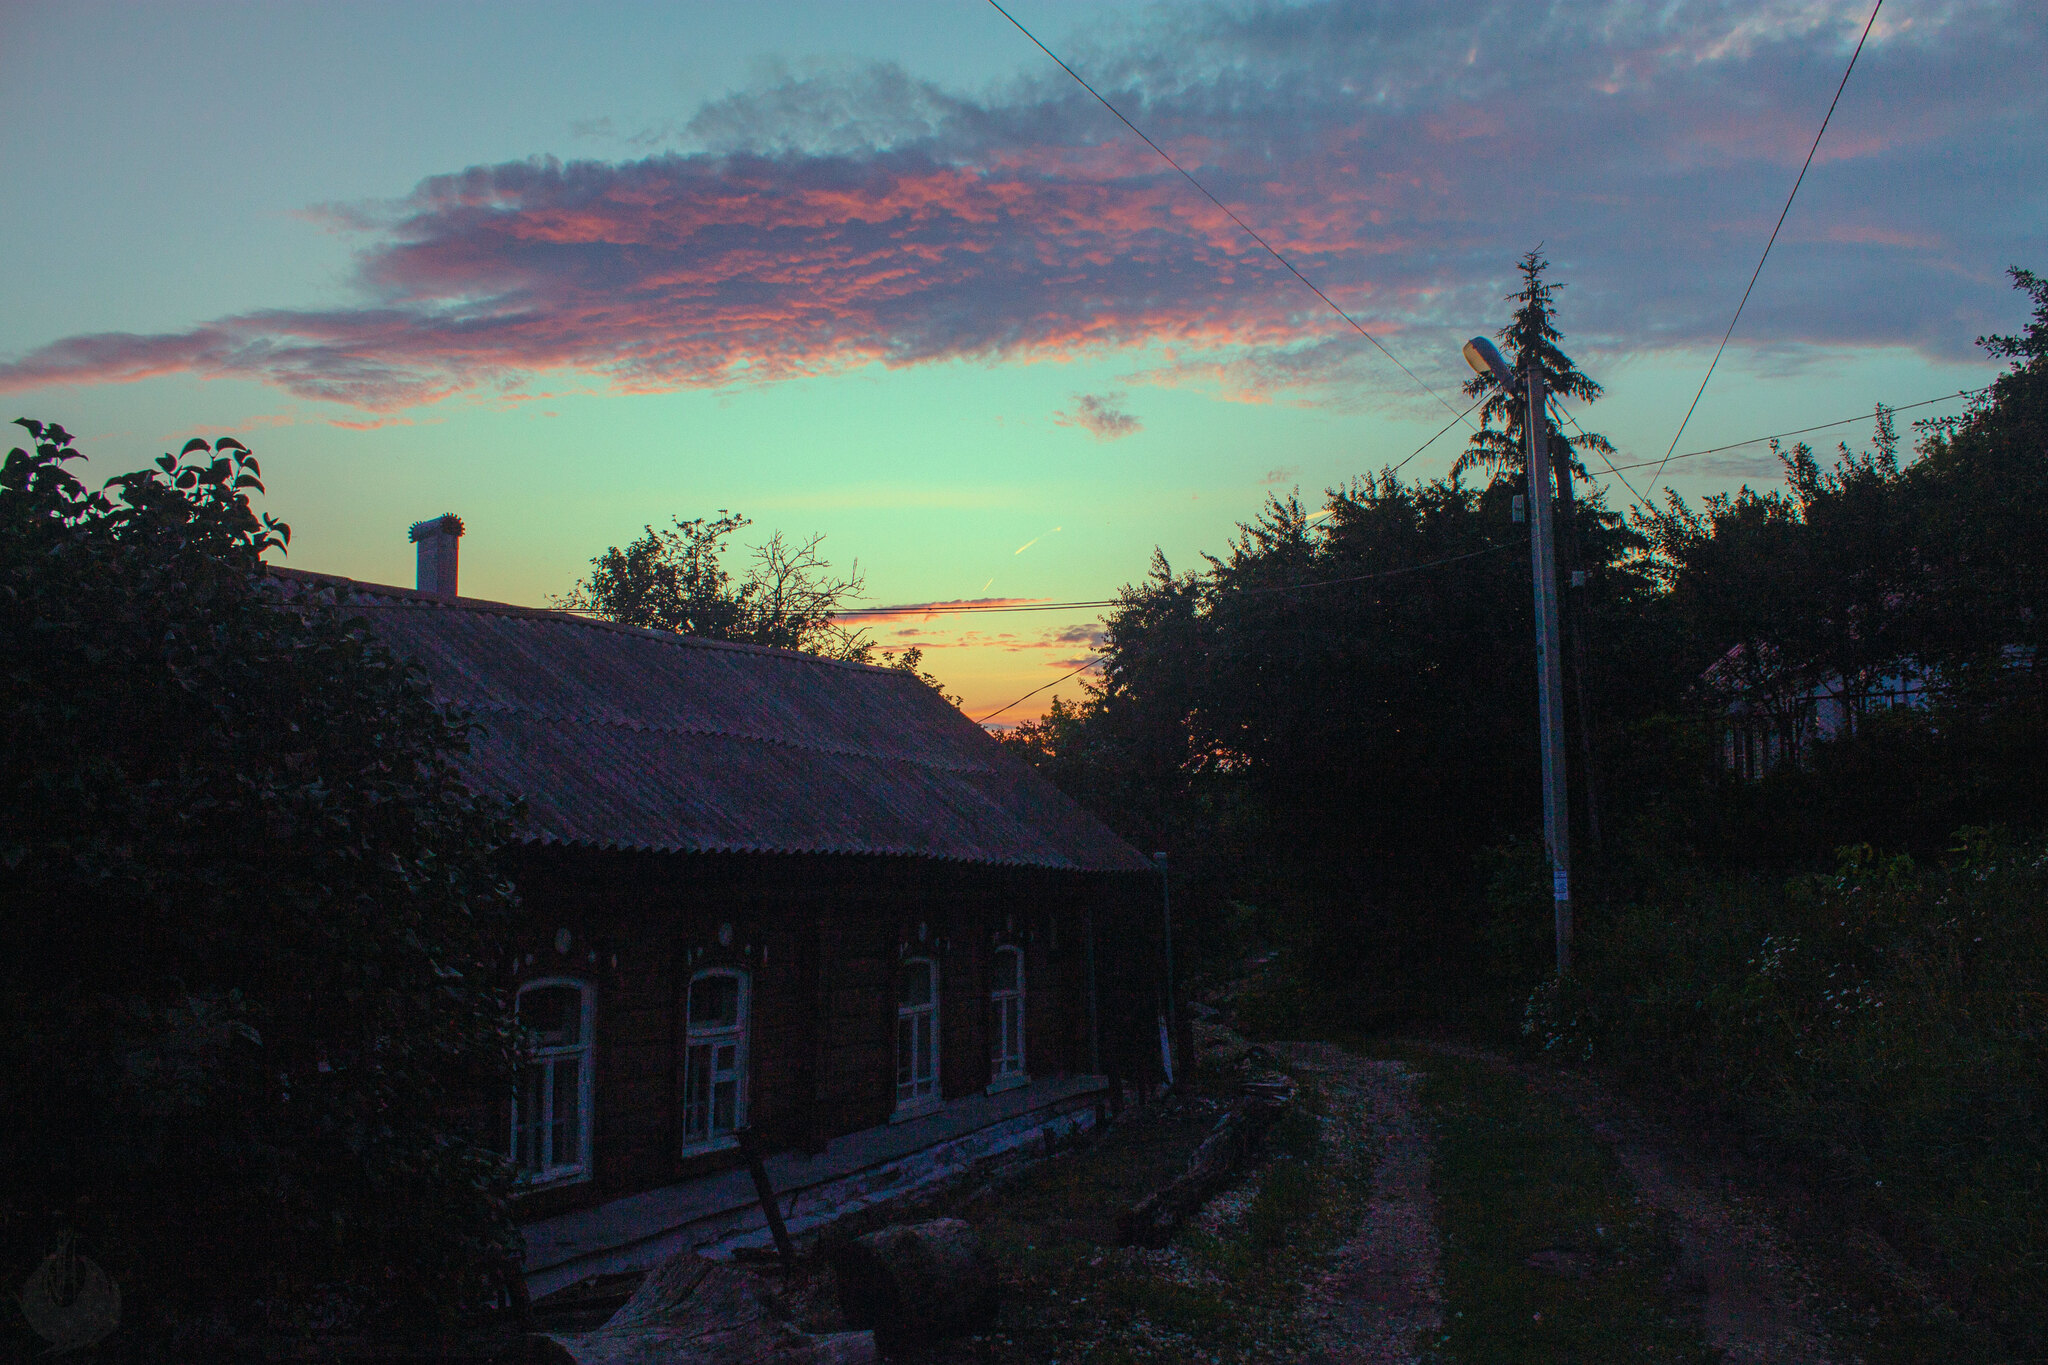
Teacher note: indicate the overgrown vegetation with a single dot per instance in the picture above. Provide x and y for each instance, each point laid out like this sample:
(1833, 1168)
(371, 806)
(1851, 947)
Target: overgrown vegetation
(1331, 728)
(1884, 1024)
(249, 901)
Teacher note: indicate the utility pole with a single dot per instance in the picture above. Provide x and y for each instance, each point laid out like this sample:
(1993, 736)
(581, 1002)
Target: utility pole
(1169, 1019)
(1557, 831)
(1574, 624)
(1484, 357)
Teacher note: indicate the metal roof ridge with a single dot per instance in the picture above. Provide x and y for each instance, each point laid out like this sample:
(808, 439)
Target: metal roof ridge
(613, 845)
(655, 727)
(485, 607)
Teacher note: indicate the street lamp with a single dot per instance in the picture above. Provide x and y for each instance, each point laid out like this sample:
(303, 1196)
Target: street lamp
(1485, 358)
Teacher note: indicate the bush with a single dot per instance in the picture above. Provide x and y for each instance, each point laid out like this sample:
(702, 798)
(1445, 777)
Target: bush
(1885, 1024)
(241, 991)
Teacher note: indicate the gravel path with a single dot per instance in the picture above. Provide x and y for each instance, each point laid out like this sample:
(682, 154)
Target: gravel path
(1381, 1291)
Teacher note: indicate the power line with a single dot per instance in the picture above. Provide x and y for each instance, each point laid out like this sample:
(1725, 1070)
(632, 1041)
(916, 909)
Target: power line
(1243, 226)
(1368, 577)
(1252, 592)
(949, 608)
(1434, 439)
(1612, 468)
(923, 609)
(1802, 431)
(1768, 245)
(1036, 690)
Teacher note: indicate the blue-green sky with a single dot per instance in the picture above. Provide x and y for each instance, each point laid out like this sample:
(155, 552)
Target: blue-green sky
(881, 271)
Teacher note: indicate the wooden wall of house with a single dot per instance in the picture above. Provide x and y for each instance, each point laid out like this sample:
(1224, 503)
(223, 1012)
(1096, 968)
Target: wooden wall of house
(821, 939)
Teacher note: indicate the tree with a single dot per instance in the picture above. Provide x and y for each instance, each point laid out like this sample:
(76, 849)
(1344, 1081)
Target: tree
(911, 661)
(1981, 495)
(1531, 336)
(1532, 339)
(1332, 718)
(244, 984)
(1855, 576)
(675, 579)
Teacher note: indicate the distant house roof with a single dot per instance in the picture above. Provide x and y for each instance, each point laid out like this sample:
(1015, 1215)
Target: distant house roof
(623, 738)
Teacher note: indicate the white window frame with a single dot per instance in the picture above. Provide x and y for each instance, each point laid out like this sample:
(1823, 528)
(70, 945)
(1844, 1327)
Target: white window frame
(920, 1094)
(1006, 1053)
(550, 1170)
(709, 1037)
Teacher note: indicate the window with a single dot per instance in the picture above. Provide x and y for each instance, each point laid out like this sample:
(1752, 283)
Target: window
(917, 1034)
(715, 1059)
(1006, 1004)
(551, 1103)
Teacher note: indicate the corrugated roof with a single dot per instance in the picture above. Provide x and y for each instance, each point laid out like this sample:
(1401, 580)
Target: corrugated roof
(625, 738)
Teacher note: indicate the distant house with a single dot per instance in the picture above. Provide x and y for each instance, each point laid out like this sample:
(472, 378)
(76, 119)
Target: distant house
(1771, 715)
(763, 890)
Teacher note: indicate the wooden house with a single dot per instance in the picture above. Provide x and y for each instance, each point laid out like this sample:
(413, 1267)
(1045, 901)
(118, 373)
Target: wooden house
(767, 891)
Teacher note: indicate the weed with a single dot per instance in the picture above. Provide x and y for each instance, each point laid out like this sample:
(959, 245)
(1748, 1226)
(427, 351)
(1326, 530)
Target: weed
(1286, 1197)
(1547, 1255)
(1884, 1026)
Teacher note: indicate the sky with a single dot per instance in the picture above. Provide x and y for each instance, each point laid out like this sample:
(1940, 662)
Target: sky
(882, 272)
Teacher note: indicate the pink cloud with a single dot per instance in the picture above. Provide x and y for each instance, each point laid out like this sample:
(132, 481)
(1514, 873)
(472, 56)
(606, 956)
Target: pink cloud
(1099, 415)
(826, 223)
(264, 422)
(370, 424)
(924, 611)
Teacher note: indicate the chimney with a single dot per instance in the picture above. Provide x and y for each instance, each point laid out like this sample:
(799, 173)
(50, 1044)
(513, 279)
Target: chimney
(436, 538)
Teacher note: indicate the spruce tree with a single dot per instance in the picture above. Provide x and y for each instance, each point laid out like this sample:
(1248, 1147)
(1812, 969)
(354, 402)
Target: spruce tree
(1499, 445)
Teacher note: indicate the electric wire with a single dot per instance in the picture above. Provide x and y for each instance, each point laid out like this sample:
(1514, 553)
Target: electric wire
(943, 609)
(1368, 577)
(1243, 226)
(1612, 468)
(1439, 436)
(1802, 431)
(1754, 274)
(1255, 592)
(1036, 690)
(947, 609)
(951, 608)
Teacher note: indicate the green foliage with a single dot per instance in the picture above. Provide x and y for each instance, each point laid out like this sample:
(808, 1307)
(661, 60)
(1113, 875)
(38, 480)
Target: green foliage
(1531, 336)
(1871, 566)
(911, 661)
(1885, 1023)
(1337, 755)
(676, 579)
(243, 988)
(1520, 1182)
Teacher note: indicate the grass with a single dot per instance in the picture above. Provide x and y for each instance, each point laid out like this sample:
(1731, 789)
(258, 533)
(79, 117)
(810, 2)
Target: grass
(1225, 1291)
(1547, 1255)
(1881, 1031)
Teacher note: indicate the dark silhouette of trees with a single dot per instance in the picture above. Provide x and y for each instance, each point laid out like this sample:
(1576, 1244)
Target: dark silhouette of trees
(244, 983)
(1531, 335)
(1362, 750)
(675, 579)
